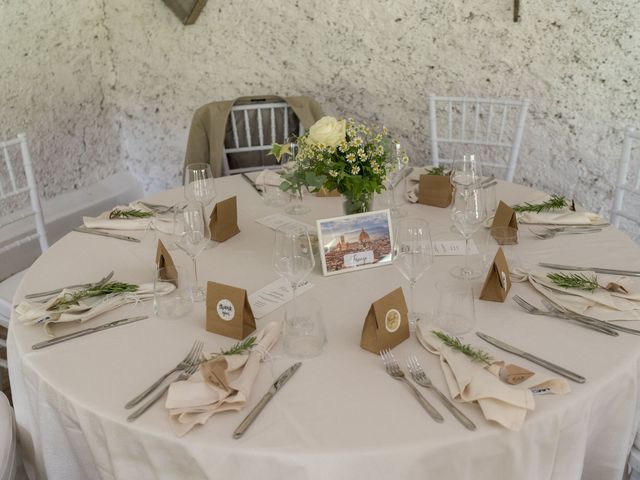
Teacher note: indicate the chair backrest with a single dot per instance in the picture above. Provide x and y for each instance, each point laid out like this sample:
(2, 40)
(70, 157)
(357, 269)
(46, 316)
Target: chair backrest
(254, 127)
(626, 198)
(494, 125)
(15, 184)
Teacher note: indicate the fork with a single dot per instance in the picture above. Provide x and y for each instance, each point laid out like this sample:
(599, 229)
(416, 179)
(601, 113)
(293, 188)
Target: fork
(188, 361)
(550, 232)
(102, 281)
(183, 376)
(420, 377)
(394, 370)
(554, 312)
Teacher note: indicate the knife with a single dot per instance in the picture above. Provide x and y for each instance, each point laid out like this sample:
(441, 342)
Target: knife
(252, 183)
(105, 234)
(277, 385)
(532, 358)
(589, 320)
(611, 271)
(81, 333)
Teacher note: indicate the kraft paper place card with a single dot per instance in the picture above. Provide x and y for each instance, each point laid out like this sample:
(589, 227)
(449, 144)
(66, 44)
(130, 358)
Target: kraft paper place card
(386, 324)
(164, 260)
(505, 216)
(435, 190)
(497, 284)
(228, 311)
(224, 220)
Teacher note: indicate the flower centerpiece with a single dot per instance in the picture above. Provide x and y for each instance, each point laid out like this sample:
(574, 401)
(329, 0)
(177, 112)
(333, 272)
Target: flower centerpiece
(340, 155)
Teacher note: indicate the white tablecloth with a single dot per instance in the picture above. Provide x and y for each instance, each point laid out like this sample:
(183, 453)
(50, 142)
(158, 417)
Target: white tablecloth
(341, 416)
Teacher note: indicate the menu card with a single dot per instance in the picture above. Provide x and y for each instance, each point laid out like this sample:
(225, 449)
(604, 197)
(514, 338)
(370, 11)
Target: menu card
(278, 220)
(443, 248)
(273, 296)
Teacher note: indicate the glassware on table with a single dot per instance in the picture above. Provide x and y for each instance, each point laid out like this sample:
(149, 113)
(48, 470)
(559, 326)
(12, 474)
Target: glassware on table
(395, 180)
(176, 304)
(455, 308)
(466, 172)
(468, 214)
(292, 258)
(288, 161)
(303, 332)
(412, 256)
(199, 185)
(192, 229)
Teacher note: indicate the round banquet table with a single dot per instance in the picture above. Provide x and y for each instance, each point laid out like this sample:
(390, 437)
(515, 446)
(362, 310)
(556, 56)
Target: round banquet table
(341, 416)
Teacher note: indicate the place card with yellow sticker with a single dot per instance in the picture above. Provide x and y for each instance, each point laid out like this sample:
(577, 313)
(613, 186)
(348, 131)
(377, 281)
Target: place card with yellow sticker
(386, 324)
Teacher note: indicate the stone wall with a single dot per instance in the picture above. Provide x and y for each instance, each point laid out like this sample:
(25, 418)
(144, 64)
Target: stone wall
(116, 84)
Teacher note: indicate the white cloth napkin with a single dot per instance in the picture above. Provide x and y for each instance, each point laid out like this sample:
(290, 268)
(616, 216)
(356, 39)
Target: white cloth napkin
(225, 384)
(39, 314)
(102, 221)
(268, 177)
(470, 381)
(600, 304)
(564, 217)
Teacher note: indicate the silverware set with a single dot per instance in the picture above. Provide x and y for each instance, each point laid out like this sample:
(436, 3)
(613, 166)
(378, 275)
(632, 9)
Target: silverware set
(611, 271)
(187, 366)
(94, 231)
(549, 232)
(51, 293)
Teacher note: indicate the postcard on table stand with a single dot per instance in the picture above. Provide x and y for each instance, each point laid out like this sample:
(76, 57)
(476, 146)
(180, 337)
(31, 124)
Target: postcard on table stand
(224, 220)
(505, 216)
(164, 260)
(497, 284)
(354, 242)
(387, 323)
(228, 311)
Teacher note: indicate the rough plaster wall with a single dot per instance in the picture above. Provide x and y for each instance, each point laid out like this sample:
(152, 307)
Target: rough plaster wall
(54, 74)
(578, 62)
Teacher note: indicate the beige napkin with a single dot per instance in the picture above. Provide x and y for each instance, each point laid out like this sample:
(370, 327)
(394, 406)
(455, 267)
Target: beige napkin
(600, 304)
(470, 381)
(224, 384)
(564, 217)
(268, 177)
(37, 313)
(102, 221)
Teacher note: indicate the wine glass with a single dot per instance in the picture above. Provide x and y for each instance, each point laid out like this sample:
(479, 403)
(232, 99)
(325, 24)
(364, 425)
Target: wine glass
(292, 256)
(412, 255)
(468, 214)
(288, 163)
(192, 230)
(465, 172)
(199, 185)
(395, 180)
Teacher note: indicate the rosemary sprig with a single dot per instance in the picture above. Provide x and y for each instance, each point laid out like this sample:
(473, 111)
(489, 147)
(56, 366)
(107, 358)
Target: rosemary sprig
(72, 298)
(240, 347)
(554, 203)
(476, 355)
(439, 170)
(133, 213)
(574, 280)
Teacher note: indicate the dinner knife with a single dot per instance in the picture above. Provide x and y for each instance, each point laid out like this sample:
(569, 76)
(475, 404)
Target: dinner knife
(81, 333)
(252, 183)
(277, 385)
(532, 358)
(610, 271)
(590, 320)
(106, 234)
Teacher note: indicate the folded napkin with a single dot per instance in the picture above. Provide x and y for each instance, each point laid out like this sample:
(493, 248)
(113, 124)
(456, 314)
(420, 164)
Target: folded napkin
(224, 384)
(470, 381)
(37, 313)
(563, 217)
(268, 177)
(161, 223)
(601, 304)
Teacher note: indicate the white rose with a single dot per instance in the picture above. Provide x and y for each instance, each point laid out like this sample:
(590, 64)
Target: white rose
(328, 131)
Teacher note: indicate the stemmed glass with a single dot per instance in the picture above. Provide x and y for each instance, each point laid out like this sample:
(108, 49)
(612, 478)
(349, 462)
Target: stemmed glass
(465, 173)
(199, 185)
(468, 214)
(395, 167)
(288, 163)
(292, 257)
(192, 229)
(412, 255)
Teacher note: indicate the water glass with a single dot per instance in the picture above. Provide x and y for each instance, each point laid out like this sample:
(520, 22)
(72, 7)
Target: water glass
(465, 172)
(193, 238)
(455, 309)
(199, 185)
(303, 333)
(178, 302)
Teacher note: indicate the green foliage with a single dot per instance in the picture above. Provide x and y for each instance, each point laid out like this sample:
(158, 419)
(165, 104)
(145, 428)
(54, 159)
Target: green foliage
(72, 298)
(474, 354)
(439, 170)
(133, 213)
(554, 203)
(240, 347)
(574, 280)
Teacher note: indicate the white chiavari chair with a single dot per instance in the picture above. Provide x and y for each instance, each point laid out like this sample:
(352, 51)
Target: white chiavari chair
(254, 128)
(626, 198)
(493, 126)
(17, 188)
